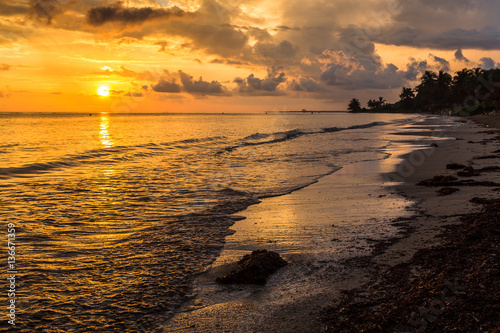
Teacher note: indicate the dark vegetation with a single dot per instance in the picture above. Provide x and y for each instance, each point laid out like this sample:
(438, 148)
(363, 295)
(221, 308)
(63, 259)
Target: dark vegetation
(453, 287)
(468, 92)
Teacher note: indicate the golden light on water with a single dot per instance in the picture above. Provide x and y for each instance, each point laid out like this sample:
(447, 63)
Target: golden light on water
(103, 91)
(104, 136)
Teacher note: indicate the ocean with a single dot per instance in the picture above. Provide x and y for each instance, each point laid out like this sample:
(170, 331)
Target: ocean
(115, 214)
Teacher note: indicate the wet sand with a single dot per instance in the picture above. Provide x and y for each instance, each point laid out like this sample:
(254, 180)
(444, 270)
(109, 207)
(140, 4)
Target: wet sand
(447, 279)
(310, 227)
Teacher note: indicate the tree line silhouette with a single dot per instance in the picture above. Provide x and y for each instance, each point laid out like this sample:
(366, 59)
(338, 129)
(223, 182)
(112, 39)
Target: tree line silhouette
(468, 92)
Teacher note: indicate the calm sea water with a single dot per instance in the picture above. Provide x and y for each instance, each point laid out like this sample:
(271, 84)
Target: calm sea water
(115, 213)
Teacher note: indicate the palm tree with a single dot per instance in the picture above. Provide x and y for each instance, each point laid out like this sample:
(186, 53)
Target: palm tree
(407, 97)
(495, 95)
(372, 104)
(443, 85)
(426, 89)
(376, 104)
(406, 94)
(354, 105)
(463, 85)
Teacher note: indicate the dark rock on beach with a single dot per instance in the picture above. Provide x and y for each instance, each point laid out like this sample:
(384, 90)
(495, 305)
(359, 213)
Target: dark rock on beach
(438, 181)
(453, 181)
(481, 201)
(468, 172)
(254, 268)
(447, 191)
(487, 157)
(455, 166)
(492, 168)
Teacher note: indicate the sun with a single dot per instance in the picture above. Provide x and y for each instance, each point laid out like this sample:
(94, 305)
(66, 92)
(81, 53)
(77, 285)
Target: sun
(103, 91)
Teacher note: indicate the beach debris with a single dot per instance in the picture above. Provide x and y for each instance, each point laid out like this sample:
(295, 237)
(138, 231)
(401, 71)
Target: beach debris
(450, 181)
(490, 168)
(438, 181)
(254, 268)
(481, 201)
(452, 287)
(468, 172)
(447, 191)
(486, 157)
(455, 166)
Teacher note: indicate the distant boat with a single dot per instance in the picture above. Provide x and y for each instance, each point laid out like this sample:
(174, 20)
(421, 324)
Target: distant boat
(304, 110)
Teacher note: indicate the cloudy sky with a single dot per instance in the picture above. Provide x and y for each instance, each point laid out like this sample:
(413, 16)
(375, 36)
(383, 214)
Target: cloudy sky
(232, 55)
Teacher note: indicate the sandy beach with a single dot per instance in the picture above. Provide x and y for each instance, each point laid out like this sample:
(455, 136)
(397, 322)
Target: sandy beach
(308, 227)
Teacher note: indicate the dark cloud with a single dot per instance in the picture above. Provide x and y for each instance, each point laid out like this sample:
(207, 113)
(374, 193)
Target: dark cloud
(212, 31)
(4, 67)
(443, 63)
(162, 45)
(46, 10)
(483, 39)
(414, 69)
(98, 16)
(166, 86)
(442, 15)
(459, 55)
(400, 37)
(261, 35)
(283, 50)
(314, 25)
(366, 71)
(285, 27)
(200, 87)
(353, 40)
(224, 40)
(305, 84)
(11, 10)
(486, 63)
(261, 87)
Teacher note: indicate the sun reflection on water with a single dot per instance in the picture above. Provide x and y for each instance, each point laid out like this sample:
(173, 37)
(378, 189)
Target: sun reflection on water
(108, 172)
(104, 136)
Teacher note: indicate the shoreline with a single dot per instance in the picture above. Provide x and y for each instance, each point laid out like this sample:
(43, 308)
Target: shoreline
(347, 274)
(451, 284)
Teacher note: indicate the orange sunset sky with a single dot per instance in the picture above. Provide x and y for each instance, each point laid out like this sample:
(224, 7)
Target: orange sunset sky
(232, 55)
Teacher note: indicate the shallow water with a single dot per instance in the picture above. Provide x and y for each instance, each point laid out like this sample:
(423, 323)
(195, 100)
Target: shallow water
(114, 213)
